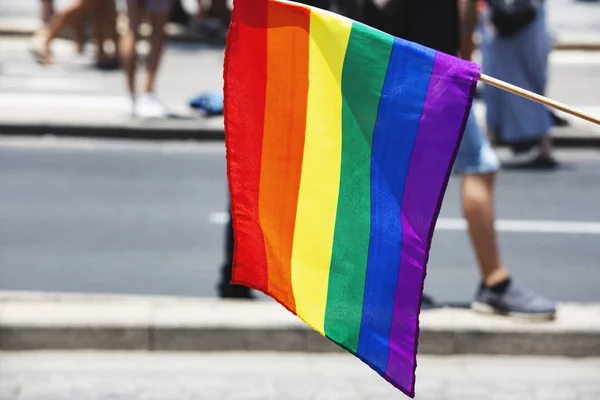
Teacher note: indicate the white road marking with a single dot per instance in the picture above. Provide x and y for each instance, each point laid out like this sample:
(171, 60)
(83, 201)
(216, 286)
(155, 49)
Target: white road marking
(513, 226)
(532, 226)
(218, 218)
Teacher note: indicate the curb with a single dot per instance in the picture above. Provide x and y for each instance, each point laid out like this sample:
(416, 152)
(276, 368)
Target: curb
(177, 132)
(33, 321)
(141, 132)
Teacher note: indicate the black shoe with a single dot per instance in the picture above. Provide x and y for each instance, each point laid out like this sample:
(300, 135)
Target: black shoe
(427, 302)
(523, 147)
(558, 121)
(110, 64)
(516, 301)
(542, 162)
(235, 292)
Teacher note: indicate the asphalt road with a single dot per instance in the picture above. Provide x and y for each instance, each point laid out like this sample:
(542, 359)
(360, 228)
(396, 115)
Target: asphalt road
(146, 218)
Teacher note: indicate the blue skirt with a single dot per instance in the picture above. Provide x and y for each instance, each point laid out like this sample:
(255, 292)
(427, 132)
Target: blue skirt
(522, 61)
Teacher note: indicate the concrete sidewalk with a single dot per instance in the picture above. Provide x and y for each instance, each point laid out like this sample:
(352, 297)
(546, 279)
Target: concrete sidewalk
(31, 321)
(51, 119)
(266, 376)
(72, 99)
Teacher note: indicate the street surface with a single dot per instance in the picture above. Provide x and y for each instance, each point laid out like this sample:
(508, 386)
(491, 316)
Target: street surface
(147, 218)
(266, 376)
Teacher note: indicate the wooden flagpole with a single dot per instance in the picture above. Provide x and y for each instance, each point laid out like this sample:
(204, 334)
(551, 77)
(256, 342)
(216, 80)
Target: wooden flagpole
(537, 98)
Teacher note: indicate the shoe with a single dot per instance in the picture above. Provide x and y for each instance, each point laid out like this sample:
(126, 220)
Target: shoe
(523, 147)
(516, 301)
(108, 64)
(543, 162)
(559, 121)
(131, 108)
(235, 292)
(148, 106)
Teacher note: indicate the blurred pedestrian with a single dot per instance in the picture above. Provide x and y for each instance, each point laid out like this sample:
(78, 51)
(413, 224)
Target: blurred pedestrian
(212, 21)
(47, 10)
(436, 24)
(515, 49)
(469, 12)
(104, 21)
(145, 104)
(55, 23)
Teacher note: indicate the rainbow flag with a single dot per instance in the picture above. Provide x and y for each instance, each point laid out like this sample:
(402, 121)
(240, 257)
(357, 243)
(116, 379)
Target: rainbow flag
(340, 142)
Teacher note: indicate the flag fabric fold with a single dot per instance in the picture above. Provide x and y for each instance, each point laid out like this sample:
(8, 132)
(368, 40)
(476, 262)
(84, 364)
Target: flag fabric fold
(340, 142)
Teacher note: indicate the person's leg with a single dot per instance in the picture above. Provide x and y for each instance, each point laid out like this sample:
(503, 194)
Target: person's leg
(478, 164)
(110, 23)
(148, 105)
(104, 22)
(74, 12)
(97, 15)
(478, 209)
(79, 32)
(468, 11)
(47, 10)
(127, 47)
(158, 20)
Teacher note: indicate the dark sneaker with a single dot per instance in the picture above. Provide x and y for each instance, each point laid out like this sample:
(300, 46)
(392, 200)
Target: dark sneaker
(235, 292)
(516, 301)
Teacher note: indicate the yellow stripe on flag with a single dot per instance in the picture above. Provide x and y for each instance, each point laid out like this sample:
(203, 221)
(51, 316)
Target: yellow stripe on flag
(320, 180)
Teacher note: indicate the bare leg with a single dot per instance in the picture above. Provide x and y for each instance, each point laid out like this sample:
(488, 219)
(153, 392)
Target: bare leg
(110, 25)
(104, 17)
(47, 10)
(467, 46)
(58, 22)
(478, 209)
(97, 21)
(546, 146)
(468, 22)
(128, 43)
(79, 29)
(157, 42)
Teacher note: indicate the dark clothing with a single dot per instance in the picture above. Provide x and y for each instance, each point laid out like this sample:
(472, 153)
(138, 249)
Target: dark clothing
(432, 23)
(224, 288)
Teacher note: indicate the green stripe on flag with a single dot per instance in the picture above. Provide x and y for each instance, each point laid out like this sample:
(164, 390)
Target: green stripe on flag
(365, 68)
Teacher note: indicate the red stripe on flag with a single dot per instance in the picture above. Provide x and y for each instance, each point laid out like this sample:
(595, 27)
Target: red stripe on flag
(245, 91)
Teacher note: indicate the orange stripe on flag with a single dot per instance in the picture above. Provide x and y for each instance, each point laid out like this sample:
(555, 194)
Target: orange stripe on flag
(283, 140)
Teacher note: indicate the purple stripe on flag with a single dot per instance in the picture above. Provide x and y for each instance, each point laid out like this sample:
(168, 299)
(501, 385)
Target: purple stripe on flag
(444, 116)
